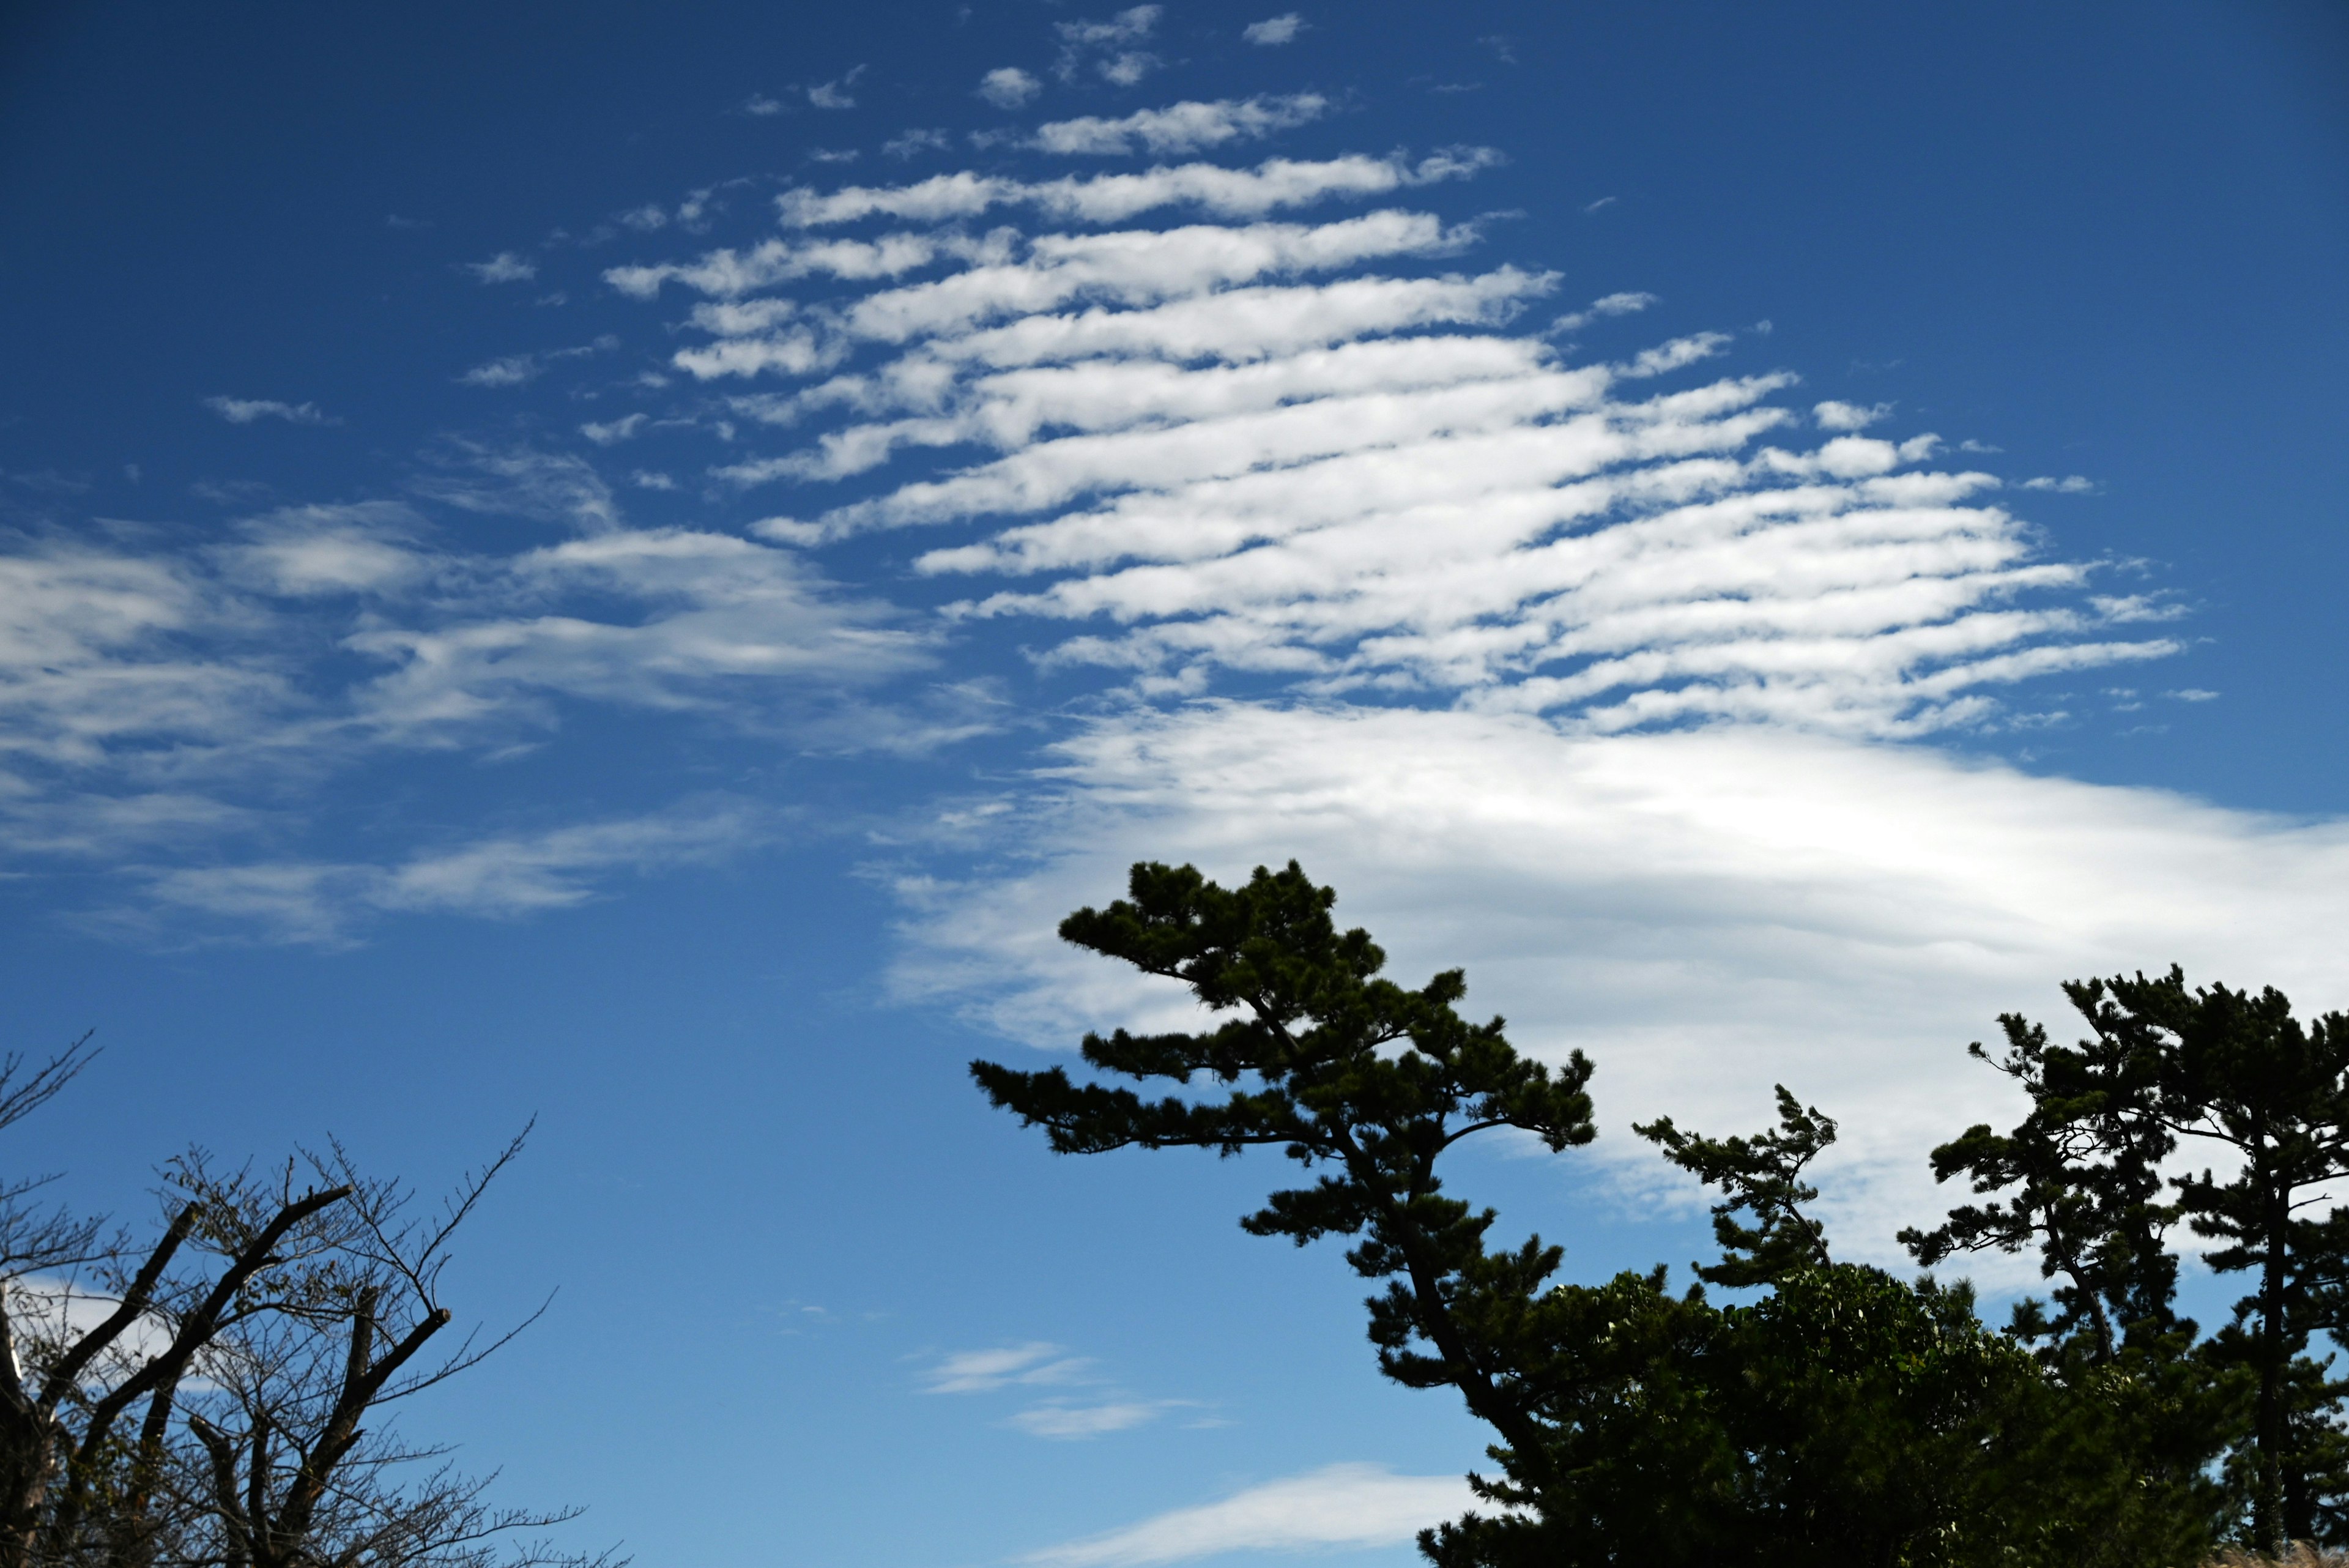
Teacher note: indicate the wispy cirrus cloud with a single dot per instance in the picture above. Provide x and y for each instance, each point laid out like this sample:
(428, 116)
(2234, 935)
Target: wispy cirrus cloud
(245, 410)
(1037, 1362)
(502, 876)
(1337, 1506)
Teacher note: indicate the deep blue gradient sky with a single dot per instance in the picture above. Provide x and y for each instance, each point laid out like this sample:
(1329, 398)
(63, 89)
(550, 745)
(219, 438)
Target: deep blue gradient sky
(730, 928)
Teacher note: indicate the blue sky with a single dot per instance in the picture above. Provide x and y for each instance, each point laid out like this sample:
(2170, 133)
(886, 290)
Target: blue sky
(626, 564)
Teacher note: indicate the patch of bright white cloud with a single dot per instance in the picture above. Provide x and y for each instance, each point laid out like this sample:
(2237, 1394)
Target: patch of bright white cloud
(1280, 29)
(503, 268)
(1355, 1506)
(245, 410)
(1835, 416)
(302, 552)
(2070, 484)
(1188, 127)
(985, 1371)
(1705, 913)
(1227, 447)
(1008, 87)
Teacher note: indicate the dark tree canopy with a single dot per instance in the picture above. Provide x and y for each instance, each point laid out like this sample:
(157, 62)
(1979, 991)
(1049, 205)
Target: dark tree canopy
(1362, 1082)
(1841, 1416)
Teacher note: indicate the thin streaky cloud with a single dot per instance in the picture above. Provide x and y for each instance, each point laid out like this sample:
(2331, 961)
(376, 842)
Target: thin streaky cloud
(245, 410)
(328, 904)
(1076, 1423)
(1037, 1362)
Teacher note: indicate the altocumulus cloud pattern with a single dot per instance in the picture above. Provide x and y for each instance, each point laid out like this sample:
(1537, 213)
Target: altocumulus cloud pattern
(1352, 541)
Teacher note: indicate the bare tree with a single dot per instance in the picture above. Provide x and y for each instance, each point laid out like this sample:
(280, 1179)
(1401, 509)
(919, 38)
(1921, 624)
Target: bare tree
(231, 1407)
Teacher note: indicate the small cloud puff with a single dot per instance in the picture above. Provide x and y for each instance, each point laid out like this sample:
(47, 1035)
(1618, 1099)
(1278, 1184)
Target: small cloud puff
(916, 141)
(1103, 43)
(1008, 87)
(1839, 416)
(619, 430)
(245, 410)
(760, 104)
(2070, 484)
(513, 371)
(835, 94)
(1281, 29)
(503, 268)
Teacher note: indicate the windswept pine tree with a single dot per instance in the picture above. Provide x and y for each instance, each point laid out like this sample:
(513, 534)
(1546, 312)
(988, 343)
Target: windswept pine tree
(1828, 1411)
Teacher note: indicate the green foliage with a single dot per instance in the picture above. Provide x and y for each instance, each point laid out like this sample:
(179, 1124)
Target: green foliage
(1763, 1177)
(2084, 1184)
(1356, 1078)
(1842, 1415)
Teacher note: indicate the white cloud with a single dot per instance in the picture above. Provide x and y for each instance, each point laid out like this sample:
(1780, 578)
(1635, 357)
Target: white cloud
(104, 654)
(1280, 29)
(503, 877)
(1113, 198)
(302, 552)
(1705, 913)
(837, 93)
(245, 410)
(1436, 513)
(1006, 1367)
(1008, 87)
(2070, 484)
(916, 141)
(718, 614)
(505, 268)
(1623, 304)
(1136, 267)
(1337, 1506)
(1106, 45)
(1836, 416)
(513, 371)
(1188, 127)
(1076, 1422)
(762, 106)
(610, 431)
